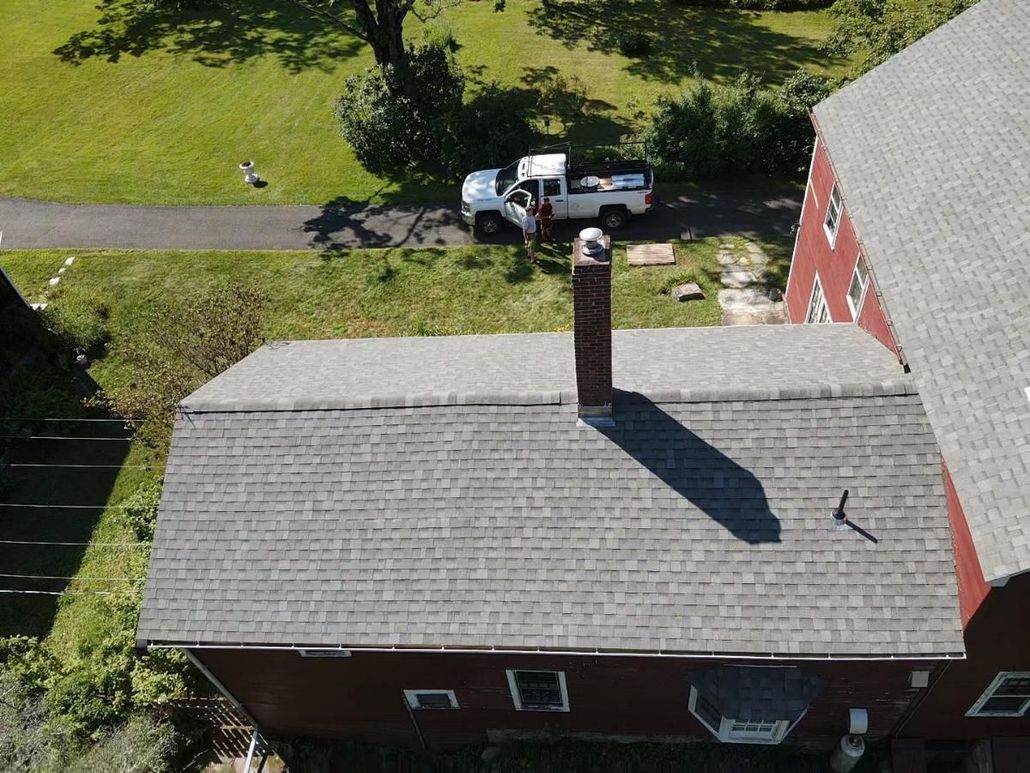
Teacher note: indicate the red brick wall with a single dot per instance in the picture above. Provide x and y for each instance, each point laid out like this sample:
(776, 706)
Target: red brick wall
(972, 588)
(362, 696)
(592, 328)
(834, 264)
(997, 639)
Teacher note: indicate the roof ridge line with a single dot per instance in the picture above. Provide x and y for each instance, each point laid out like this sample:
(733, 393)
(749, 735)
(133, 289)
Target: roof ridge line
(807, 391)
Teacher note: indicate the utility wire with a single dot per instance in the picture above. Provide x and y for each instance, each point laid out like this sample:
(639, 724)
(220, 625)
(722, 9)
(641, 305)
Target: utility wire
(56, 577)
(71, 592)
(74, 544)
(66, 507)
(50, 418)
(62, 437)
(88, 466)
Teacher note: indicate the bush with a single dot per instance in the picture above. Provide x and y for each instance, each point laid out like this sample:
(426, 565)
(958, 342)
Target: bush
(394, 123)
(140, 511)
(493, 126)
(635, 44)
(711, 130)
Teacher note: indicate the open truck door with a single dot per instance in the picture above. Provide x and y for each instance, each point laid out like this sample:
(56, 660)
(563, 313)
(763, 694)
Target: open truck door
(515, 204)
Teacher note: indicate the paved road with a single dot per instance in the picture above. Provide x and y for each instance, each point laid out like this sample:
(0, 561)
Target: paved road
(28, 224)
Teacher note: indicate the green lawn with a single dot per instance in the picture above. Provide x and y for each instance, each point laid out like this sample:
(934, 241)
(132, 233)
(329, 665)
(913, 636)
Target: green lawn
(161, 109)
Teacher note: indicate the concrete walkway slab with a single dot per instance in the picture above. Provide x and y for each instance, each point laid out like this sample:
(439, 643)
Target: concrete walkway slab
(650, 255)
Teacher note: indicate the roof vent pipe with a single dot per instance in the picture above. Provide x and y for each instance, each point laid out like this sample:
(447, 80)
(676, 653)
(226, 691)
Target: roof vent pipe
(840, 518)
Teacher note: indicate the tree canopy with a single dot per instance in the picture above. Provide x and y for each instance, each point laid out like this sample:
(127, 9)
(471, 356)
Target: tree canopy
(882, 28)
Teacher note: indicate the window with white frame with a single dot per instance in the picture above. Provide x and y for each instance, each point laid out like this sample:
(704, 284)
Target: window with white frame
(1007, 696)
(538, 690)
(818, 311)
(431, 699)
(733, 730)
(833, 212)
(859, 284)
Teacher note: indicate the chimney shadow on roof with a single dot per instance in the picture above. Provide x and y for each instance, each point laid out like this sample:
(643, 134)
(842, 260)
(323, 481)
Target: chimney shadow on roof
(712, 482)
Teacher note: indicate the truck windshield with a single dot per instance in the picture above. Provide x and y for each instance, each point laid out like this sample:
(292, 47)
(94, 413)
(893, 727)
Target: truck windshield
(507, 177)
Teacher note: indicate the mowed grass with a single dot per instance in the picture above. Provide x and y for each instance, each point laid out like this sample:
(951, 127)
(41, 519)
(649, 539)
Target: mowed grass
(162, 108)
(386, 292)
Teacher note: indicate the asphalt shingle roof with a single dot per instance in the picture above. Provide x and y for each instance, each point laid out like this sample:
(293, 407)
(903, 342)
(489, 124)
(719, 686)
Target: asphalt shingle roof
(700, 523)
(932, 149)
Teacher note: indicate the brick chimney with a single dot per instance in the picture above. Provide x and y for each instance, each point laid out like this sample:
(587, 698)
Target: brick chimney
(592, 325)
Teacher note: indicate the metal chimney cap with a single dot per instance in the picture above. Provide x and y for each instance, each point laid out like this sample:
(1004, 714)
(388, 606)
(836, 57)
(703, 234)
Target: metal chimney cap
(591, 234)
(590, 240)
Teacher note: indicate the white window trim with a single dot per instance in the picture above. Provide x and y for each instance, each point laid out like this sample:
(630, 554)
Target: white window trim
(725, 730)
(811, 297)
(516, 697)
(411, 696)
(831, 236)
(857, 310)
(989, 693)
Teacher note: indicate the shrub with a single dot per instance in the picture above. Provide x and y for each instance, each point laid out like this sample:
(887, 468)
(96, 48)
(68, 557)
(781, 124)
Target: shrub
(394, 123)
(635, 44)
(493, 126)
(738, 129)
(140, 510)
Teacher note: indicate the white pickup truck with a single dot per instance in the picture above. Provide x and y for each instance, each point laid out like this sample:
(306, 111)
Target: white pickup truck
(609, 190)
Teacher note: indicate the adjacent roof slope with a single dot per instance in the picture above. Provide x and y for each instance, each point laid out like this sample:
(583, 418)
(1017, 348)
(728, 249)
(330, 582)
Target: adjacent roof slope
(485, 516)
(932, 149)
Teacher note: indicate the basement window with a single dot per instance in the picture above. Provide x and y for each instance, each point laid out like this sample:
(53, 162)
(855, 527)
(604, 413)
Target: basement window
(732, 730)
(818, 311)
(538, 690)
(431, 699)
(324, 653)
(833, 211)
(1007, 696)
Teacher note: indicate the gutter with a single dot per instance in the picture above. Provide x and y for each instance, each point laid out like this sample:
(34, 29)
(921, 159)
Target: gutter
(710, 655)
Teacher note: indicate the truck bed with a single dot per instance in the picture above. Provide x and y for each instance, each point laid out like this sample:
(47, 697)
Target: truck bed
(610, 176)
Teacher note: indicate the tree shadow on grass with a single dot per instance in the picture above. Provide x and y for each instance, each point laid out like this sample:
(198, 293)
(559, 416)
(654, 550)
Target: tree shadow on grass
(48, 473)
(229, 32)
(720, 42)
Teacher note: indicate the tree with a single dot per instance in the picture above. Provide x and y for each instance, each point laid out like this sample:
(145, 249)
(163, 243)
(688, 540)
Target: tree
(882, 28)
(182, 345)
(380, 23)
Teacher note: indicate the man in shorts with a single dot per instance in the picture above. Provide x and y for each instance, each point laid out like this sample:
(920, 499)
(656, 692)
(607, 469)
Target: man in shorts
(529, 232)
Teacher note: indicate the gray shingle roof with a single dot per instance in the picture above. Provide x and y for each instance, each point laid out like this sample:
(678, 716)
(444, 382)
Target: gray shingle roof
(699, 524)
(540, 367)
(932, 149)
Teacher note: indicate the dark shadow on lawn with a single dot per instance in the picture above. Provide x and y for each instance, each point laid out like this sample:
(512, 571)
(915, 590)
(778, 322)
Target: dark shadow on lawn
(704, 476)
(60, 389)
(230, 31)
(721, 42)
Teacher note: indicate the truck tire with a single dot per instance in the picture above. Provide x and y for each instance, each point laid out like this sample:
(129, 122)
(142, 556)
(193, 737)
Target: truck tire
(614, 218)
(488, 223)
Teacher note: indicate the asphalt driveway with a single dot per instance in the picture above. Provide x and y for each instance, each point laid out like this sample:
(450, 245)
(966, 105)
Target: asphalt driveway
(344, 224)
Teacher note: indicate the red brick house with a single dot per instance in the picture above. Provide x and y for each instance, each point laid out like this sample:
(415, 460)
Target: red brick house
(626, 535)
(916, 227)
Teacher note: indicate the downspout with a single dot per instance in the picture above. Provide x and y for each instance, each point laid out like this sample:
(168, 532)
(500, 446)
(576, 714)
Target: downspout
(220, 687)
(414, 723)
(914, 707)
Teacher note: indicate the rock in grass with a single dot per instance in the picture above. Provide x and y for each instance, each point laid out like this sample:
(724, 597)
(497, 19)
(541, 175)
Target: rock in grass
(687, 292)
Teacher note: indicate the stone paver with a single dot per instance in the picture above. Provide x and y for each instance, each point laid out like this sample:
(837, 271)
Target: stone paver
(650, 255)
(743, 298)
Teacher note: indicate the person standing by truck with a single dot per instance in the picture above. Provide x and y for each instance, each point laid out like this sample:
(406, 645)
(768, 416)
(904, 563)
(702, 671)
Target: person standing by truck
(529, 232)
(544, 216)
